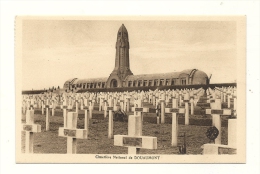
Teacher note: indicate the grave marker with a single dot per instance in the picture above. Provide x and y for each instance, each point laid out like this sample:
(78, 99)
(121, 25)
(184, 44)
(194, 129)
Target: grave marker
(110, 119)
(192, 103)
(47, 118)
(134, 140)
(90, 107)
(127, 102)
(215, 149)
(216, 111)
(77, 105)
(30, 128)
(64, 107)
(100, 103)
(86, 121)
(162, 101)
(138, 109)
(72, 133)
(52, 106)
(174, 112)
(186, 101)
(42, 106)
(105, 108)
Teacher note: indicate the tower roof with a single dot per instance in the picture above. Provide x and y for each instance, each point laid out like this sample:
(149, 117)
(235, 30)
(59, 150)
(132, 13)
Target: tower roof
(122, 29)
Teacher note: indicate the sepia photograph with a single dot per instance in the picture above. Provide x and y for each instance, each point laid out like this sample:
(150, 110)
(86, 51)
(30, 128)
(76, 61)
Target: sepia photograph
(155, 89)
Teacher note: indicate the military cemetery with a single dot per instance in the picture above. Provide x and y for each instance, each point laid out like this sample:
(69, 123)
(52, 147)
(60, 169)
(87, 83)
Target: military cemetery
(140, 130)
(176, 113)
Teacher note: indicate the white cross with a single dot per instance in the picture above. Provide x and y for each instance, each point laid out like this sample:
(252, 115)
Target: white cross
(134, 140)
(72, 133)
(30, 128)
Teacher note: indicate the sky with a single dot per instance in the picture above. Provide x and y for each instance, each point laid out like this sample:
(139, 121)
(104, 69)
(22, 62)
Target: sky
(54, 51)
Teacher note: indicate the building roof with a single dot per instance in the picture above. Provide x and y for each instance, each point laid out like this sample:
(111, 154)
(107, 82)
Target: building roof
(200, 74)
(191, 72)
(153, 76)
(169, 75)
(70, 80)
(90, 80)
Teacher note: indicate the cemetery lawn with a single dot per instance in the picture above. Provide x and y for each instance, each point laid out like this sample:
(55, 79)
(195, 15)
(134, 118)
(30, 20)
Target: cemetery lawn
(98, 143)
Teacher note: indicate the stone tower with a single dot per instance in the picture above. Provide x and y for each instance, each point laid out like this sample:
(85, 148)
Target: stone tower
(122, 66)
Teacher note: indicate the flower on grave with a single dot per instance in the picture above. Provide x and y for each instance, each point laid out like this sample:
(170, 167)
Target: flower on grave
(212, 133)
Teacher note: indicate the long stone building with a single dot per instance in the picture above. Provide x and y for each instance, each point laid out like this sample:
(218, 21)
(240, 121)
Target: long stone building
(122, 75)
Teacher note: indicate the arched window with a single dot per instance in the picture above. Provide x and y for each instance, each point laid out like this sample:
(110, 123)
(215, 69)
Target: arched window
(113, 83)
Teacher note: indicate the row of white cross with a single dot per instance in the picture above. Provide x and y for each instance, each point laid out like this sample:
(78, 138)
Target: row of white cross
(224, 94)
(67, 101)
(134, 140)
(123, 98)
(110, 107)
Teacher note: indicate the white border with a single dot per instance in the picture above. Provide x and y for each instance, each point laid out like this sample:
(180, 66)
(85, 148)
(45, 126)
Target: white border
(10, 9)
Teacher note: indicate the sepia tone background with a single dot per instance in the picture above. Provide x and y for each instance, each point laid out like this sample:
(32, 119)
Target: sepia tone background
(10, 10)
(230, 48)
